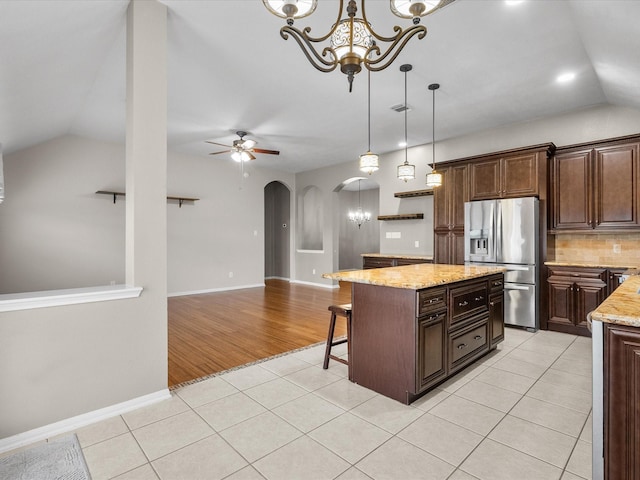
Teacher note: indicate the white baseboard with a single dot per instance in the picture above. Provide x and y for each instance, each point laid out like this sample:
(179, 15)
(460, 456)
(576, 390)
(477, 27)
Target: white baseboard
(313, 284)
(285, 279)
(213, 290)
(73, 423)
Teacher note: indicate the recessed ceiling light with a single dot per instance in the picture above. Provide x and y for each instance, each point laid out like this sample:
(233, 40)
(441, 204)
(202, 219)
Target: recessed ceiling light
(402, 144)
(513, 2)
(565, 77)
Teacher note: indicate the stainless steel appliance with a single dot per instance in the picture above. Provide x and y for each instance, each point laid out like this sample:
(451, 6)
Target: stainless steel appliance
(505, 233)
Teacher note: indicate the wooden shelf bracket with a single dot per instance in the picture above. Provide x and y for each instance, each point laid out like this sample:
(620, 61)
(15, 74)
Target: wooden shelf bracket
(180, 200)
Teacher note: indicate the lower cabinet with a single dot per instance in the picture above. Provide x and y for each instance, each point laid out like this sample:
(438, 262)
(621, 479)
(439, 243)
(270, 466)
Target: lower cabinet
(405, 342)
(621, 402)
(573, 293)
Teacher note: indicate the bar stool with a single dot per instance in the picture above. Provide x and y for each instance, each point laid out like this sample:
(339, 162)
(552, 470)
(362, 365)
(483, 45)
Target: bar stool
(344, 311)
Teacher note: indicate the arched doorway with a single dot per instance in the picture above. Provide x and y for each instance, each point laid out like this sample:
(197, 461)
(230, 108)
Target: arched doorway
(277, 219)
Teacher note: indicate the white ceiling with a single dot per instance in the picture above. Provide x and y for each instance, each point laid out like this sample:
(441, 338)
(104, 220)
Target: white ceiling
(63, 71)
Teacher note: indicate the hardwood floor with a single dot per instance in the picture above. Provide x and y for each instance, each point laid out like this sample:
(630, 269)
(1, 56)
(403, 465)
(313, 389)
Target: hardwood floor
(212, 332)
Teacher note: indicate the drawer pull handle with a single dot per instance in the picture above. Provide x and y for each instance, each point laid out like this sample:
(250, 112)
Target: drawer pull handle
(434, 300)
(492, 304)
(478, 337)
(432, 317)
(477, 299)
(463, 304)
(499, 282)
(461, 346)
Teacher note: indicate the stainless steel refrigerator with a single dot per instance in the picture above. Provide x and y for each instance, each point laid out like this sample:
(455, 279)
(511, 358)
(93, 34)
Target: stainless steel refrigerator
(505, 233)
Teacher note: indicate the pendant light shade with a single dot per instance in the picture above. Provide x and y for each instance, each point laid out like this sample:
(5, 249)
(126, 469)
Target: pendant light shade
(406, 171)
(369, 161)
(434, 179)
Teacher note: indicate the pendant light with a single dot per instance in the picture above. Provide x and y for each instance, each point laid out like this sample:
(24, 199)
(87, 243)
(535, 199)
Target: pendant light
(369, 161)
(359, 216)
(434, 179)
(406, 171)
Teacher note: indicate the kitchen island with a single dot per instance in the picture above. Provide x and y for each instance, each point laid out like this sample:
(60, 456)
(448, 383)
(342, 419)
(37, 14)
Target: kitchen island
(616, 383)
(414, 326)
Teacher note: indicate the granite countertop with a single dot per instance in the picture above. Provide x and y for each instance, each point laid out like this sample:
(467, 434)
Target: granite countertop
(588, 264)
(398, 255)
(414, 277)
(622, 307)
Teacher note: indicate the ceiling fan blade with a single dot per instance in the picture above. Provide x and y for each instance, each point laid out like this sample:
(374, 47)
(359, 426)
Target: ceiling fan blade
(217, 153)
(215, 143)
(262, 150)
(251, 157)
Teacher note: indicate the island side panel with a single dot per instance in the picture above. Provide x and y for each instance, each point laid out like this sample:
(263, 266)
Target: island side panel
(383, 344)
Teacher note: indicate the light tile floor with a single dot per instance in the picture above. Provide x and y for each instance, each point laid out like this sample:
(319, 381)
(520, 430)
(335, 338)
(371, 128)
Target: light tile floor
(522, 412)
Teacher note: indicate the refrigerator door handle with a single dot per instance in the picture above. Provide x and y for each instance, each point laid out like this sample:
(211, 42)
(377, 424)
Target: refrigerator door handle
(515, 287)
(498, 231)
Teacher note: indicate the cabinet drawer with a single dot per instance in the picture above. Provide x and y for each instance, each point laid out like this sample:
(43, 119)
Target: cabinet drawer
(468, 342)
(467, 301)
(377, 262)
(496, 283)
(411, 261)
(579, 272)
(431, 300)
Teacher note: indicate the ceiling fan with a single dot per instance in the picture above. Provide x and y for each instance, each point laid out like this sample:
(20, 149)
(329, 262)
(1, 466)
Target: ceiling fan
(242, 150)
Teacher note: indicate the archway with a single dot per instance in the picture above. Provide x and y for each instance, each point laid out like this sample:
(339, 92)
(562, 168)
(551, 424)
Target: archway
(277, 219)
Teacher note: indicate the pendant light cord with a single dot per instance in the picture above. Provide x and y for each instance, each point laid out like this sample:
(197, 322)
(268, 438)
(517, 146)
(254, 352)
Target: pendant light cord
(433, 137)
(406, 145)
(369, 107)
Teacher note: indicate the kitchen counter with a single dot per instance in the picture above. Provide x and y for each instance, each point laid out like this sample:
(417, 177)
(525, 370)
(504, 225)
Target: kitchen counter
(399, 255)
(414, 277)
(590, 264)
(414, 326)
(622, 307)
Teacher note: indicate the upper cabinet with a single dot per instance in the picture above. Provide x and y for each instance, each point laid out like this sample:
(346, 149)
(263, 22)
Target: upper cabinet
(448, 202)
(594, 188)
(506, 177)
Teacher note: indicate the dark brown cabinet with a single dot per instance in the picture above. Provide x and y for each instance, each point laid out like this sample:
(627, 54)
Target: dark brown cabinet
(573, 293)
(448, 215)
(496, 318)
(621, 402)
(615, 275)
(510, 176)
(378, 261)
(431, 350)
(594, 188)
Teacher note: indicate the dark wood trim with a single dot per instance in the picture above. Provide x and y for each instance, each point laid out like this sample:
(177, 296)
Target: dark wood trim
(402, 216)
(599, 143)
(549, 148)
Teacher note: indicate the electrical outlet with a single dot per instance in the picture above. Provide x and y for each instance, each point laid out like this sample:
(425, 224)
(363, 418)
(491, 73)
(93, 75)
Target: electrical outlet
(417, 244)
(616, 248)
(314, 271)
(230, 274)
(389, 235)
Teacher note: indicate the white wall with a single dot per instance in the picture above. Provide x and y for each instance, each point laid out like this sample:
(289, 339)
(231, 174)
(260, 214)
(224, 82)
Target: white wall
(57, 233)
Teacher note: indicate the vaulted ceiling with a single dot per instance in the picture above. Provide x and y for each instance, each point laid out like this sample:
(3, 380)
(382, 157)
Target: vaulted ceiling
(63, 71)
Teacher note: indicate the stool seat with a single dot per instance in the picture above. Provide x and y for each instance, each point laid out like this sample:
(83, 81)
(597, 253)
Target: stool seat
(343, 310)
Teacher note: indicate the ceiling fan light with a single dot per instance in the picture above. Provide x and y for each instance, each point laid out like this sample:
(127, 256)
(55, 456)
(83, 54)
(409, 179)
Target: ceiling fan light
(249, 144)
(237, 156)
(434, 179)
(369, 163)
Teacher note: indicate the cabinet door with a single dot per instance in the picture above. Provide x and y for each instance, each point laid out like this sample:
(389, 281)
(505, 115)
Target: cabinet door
(485, 180)
(441, 201)
(561, 303)
(441, 250)
(589, 294)
(622, 402)
(571, 202)
(448, 247)
(459, 194)
(431, 350)
(520, 176)
(616, 187)
(615, 275)
(496, 318)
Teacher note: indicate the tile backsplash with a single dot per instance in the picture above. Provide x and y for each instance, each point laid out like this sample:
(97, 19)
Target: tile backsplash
(607, 249)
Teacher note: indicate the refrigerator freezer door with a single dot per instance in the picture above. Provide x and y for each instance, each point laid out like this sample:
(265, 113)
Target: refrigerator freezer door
(517, 230)
(520, 305)
(480, 231)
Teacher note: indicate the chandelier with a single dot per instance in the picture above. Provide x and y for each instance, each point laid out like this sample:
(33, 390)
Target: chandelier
(406, 171)
(352, 40)
(359, 216)
(434, 179)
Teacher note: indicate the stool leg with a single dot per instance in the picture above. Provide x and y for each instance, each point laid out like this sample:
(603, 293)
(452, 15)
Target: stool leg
(327, 352)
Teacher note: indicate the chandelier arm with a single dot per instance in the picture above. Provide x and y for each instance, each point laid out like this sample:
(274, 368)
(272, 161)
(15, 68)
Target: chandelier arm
(305, 33)
(395, 48)
(396, 28)
(316, 59)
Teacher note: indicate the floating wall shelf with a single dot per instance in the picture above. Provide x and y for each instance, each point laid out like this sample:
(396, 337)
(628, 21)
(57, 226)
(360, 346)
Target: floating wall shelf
(413, 193)
(402, 216)
(180, 200)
